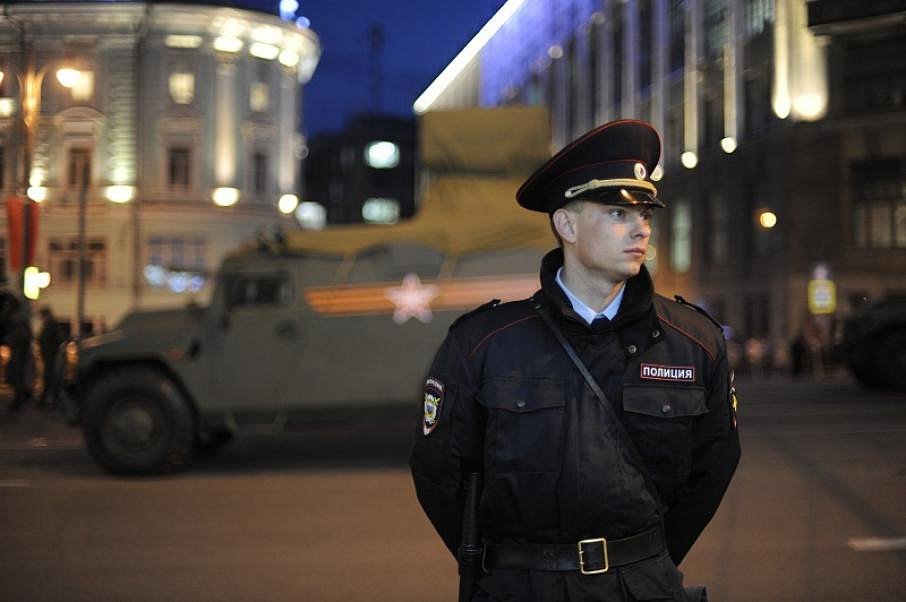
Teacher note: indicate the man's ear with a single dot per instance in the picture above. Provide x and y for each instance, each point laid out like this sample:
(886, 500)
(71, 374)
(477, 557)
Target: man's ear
(565, 223)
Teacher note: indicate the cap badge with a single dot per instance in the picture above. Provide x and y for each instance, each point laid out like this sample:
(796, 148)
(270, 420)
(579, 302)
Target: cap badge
(640, 172)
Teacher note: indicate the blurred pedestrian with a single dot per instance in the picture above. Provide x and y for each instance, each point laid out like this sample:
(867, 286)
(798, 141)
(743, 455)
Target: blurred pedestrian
(18, 337)
(49, 340)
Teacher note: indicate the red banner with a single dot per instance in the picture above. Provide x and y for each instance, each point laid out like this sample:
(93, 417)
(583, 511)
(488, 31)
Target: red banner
(15, 221)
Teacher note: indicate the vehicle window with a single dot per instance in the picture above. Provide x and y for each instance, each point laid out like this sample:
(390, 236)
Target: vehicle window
(270, 289)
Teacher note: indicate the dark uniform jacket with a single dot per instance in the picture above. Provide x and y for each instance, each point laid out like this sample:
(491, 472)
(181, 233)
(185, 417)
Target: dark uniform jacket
(506, 400)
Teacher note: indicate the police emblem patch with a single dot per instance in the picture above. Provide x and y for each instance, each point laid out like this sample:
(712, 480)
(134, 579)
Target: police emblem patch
(734, 402)
(434, 401)
(683, 374)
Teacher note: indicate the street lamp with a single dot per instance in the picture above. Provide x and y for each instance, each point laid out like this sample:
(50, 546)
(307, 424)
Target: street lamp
(30, 82)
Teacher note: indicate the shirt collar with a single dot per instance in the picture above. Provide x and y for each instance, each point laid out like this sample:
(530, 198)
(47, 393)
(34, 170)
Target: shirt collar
(584, 311)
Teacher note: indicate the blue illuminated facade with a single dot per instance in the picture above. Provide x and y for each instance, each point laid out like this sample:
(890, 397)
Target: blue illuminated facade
(791, 107)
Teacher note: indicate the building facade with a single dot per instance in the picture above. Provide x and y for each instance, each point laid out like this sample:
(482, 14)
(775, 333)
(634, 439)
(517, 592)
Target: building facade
(177, 140)
(364, 172)
(784, 138)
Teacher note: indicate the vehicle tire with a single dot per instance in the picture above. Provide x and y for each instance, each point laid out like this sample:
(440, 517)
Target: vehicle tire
(136, 421)
(892, 359)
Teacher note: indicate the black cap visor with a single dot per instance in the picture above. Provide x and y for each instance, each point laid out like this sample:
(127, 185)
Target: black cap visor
(621, 196)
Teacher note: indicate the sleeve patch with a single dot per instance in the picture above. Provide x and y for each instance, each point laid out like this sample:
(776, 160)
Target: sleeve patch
(434, 401)
(734, 402)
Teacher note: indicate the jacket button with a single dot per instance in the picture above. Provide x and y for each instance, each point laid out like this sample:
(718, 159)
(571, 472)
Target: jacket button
(666, 409)
(632, 349)
(520, 404)
(655, 334)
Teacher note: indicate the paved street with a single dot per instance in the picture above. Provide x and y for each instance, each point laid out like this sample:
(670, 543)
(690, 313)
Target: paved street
(332, 516)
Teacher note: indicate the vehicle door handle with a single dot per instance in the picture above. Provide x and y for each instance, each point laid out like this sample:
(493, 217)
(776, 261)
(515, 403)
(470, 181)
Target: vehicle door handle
(287, 330)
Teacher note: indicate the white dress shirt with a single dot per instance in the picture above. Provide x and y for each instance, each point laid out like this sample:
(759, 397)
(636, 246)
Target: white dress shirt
(587, 313)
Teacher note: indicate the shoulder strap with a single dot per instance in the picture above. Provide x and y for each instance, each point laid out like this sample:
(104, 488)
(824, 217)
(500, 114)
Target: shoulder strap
(596, 389)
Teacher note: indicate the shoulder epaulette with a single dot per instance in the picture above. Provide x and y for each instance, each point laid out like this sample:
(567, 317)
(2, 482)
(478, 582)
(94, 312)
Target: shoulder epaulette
(679, 299)
(490, 304)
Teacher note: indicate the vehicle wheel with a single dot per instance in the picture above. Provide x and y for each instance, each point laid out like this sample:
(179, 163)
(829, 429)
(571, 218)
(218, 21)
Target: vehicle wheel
(135, 421)
(892, 359)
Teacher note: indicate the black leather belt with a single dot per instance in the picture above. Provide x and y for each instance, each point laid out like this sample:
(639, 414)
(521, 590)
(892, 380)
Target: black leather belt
(588, 556)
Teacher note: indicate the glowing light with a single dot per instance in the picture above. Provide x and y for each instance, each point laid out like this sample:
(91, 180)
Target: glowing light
(7, 107)
(267, 34)
(33, 281)
(378, 210)
(225, 196)
(289, 58)
(1, 76)
(689, 160)
(182, 41)
(264, 51)
(728, 144)
(555, 52)
(303, 22)
(657, 174)
(767, 219)
(227, 44)
(465, 56)
(311, 215)
(37, 193)
(288, 9)
(120, 193)
(68, 77)
(809, 106)
(382, 154)
(288, 203)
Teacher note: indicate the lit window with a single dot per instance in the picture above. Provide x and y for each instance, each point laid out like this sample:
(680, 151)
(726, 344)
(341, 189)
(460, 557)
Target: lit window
(259, 97)
(259, 173)
(311, 215)
(176, 263)
(83, 89)
(382, 155)
(79, 168)
(182, 41)
(63, 256)
(182, 88)
(179, 166)
(681, 237)
(381, 211)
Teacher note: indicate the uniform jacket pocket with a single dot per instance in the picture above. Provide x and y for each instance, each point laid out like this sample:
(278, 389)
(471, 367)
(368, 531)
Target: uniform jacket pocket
(660, 419)
(664, 401)
(526, 422)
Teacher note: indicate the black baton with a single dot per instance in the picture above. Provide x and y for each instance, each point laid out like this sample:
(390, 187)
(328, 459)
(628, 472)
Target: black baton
(470, 549)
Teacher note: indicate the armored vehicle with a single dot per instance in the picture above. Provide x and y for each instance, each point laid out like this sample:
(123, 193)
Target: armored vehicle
(306, 323)
(874, 344)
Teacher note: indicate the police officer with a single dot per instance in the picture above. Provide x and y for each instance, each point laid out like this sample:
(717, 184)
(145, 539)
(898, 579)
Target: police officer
(585, 497)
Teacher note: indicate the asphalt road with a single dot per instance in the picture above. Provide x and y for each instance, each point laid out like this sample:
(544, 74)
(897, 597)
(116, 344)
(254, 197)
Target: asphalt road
(332, 516)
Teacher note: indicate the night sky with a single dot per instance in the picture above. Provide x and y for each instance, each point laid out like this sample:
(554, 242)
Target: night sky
(420, 38)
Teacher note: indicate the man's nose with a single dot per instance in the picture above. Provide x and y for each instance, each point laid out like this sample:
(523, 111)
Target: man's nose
(641, 228)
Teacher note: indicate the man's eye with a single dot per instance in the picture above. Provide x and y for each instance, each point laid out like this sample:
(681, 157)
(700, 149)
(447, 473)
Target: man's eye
(617, 212)
(646, 215)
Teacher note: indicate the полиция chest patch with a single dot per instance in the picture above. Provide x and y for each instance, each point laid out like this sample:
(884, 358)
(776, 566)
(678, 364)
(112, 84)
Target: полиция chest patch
(681, 374)
(434, 401)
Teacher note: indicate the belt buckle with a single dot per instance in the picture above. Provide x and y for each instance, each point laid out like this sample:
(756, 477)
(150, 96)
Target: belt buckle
(584, 542)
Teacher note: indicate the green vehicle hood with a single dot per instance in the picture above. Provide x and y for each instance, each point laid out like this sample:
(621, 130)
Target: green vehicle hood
(161, 333)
